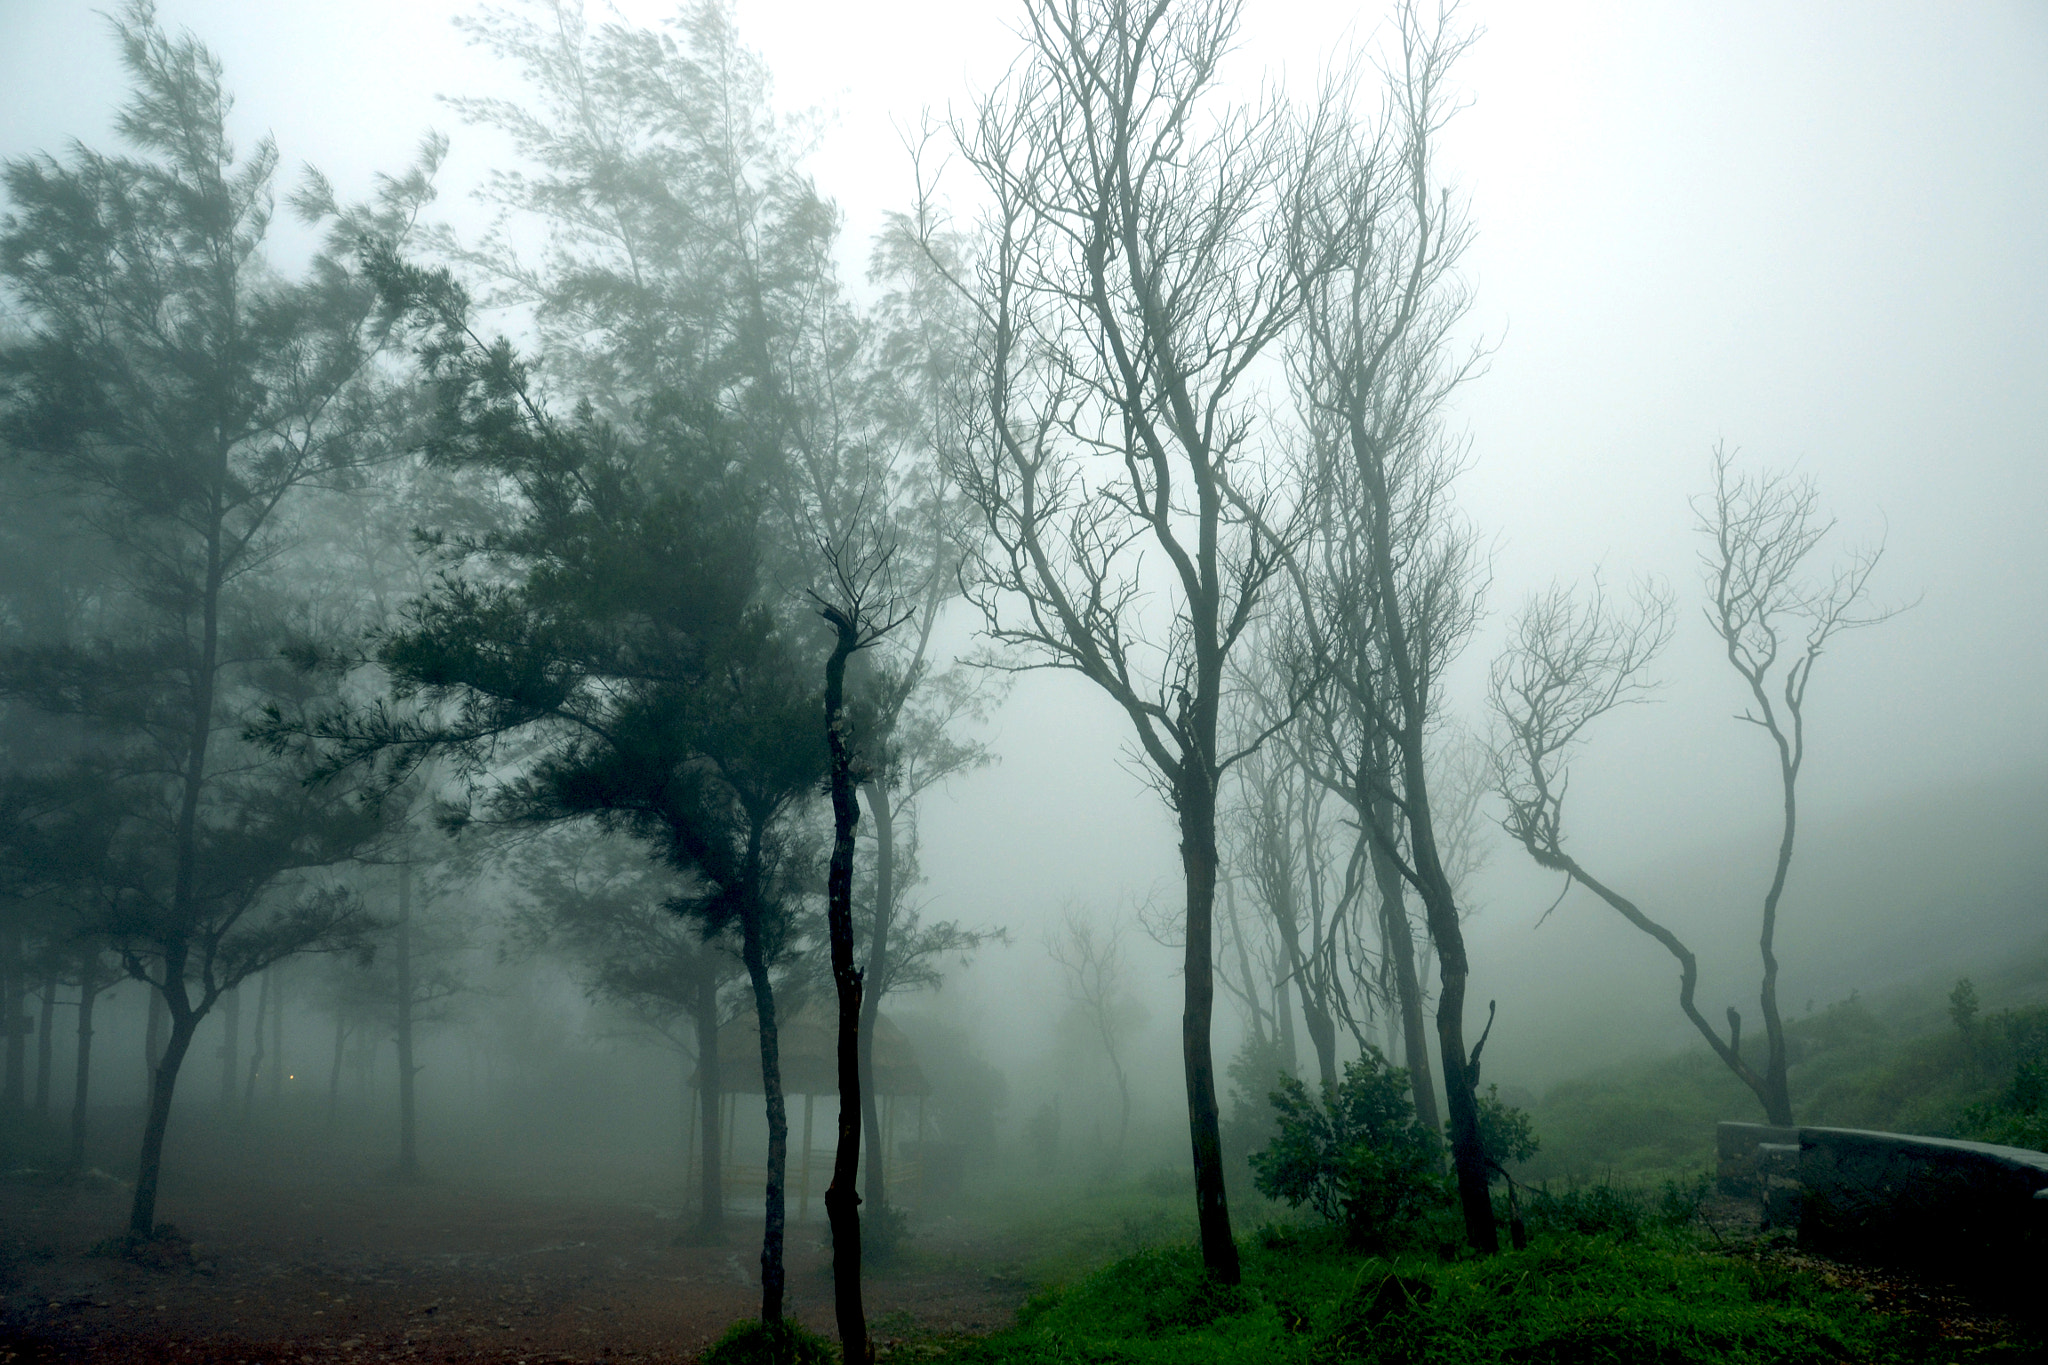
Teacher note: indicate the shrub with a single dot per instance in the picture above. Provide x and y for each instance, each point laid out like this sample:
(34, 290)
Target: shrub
(1359, 1158)
(1623, 1212)
(1506, 1133)
(761, 1343)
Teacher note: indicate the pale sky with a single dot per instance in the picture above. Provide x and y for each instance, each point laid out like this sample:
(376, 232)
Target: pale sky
(1816, 231)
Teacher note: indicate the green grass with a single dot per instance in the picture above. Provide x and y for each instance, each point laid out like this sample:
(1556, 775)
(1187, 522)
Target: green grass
(1902, 1068)
(1569, 1298)
(1062, 1231)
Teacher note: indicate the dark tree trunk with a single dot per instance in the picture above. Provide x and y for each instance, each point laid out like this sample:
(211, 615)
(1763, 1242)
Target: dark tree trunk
(875, 1173)
(842, 1201)
(1283, 1006)
(231, 1045)
(334, 1072)
(408, 1072)
(142, 1214)
(1320, 1023)
(12, 1086)
(256, 1051)
(163, 1081)
(1461, 1071)
(1400, 941)
(88, 992)
(1196, 799)
(753, 951)
(276, 975)
(46, 1024)
(153, 1039)
(710, 1090)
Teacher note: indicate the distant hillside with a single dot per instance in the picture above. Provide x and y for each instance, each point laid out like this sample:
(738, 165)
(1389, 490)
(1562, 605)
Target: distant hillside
(1898, 896)
(1897, 1062)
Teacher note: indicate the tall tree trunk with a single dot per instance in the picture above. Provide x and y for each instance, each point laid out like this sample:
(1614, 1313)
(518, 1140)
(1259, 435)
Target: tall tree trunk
(1320, 1023)
(276, 973)
(153, 1038)
(142, 1214)
(1283, 1006)
(256, 1051)
(163, 1082)
(753, 952)
(185, 877)
(710, 1090)
(875, 1173)
(81, 1081)
(46, 1024)
(231, 1044)
(1461, 1071)
(1400, 942)
(13, 1088)
(334, 1072)
(1196, 799)
(842, 1201)
(408, 1152)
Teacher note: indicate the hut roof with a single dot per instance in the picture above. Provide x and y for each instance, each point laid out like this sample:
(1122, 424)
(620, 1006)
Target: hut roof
(808, 1052)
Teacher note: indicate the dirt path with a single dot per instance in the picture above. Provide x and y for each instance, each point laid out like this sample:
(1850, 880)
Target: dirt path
(368, 1271)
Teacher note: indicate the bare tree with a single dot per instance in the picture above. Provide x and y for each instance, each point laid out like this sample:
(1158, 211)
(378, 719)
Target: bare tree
(1388, 589)
(1282, 841)
(1096, 973)
(861, 607)
(1571, 660)
(1131, 271)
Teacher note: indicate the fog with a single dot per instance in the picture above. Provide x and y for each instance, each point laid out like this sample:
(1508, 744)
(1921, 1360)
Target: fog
(1809, 235)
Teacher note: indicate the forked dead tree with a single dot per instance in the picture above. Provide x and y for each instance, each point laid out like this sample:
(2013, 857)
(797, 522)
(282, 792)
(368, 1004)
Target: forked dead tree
(1130, 271)
(1570, 660)
(1096, 972)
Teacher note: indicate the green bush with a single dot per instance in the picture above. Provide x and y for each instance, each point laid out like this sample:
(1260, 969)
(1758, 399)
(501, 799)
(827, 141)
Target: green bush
(1506, 1133)
(1359, 1157)
(1625, 1213)
(761, 1343)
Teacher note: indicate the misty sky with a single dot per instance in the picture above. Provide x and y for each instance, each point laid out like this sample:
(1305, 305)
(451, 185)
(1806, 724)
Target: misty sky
(1818, 232)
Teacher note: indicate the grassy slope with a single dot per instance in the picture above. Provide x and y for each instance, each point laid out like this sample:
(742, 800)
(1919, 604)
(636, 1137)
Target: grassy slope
(1567, 1298)
(1901, 1066)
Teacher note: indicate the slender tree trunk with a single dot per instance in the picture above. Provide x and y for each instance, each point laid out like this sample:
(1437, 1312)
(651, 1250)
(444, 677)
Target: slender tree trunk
(1461, 1071)
(276, 972)
(13, 1088)
(256, 1051)
(1283, 1006)
(875, 1172)
(81, 1082)
(153, 1038)
(334, 1072)
(842, 1201)
(753, 952)
(408, 1152)
(46, 1024)
(1321, 1025)
(231, 1045)
(1400, 941)
(710, 1090)
(142, 1215)
(185, 877)
(1197, 802)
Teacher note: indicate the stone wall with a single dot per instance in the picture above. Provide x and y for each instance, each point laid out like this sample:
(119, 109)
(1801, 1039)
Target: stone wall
(1964, 1210)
